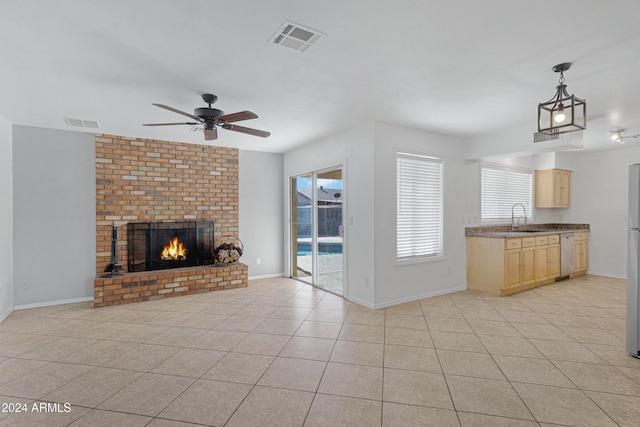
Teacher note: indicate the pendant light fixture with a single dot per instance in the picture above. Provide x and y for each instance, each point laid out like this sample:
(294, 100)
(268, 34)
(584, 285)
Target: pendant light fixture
(563, 113)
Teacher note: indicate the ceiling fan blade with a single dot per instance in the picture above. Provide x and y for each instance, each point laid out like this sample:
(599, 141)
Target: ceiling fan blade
(166, 107)
(170, 124)
(249, 131)
(210, 134)
(236, 117)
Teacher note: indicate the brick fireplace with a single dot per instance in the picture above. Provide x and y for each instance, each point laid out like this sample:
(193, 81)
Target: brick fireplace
(142, 180)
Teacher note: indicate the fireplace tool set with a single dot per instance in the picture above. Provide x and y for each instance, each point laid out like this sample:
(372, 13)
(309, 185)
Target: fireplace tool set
(113, 268)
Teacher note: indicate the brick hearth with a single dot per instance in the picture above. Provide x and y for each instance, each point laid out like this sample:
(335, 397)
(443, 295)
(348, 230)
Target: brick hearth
(143, 180)
(152, 285)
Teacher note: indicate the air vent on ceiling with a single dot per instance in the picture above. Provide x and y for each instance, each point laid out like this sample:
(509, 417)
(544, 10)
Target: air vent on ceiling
(79, 123)
(295, 36)
(541, 136)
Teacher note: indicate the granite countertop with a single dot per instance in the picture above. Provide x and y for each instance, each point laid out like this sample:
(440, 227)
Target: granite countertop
(505, 231)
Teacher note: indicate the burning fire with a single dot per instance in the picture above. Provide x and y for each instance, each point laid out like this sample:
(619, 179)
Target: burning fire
(174, 251)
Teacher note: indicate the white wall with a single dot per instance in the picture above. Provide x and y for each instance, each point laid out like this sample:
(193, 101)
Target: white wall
(354, 149)
(261, 212)
(399, 283)
(599, 196)
(373, 277)
(54, 216)
(6, 220)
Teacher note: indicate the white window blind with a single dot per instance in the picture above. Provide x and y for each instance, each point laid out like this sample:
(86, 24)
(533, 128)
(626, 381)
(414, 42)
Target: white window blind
(419, 206)
(502, 187)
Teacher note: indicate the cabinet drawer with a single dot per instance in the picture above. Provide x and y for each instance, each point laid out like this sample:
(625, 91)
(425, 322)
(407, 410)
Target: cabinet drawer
(513, 243)
(528, 242)
(554, 239)
(542, 240)
(584, 235)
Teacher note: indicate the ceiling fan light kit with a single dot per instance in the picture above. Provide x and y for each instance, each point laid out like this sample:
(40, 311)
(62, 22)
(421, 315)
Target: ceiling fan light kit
(212, 118)
(563, 113)
(617, 135)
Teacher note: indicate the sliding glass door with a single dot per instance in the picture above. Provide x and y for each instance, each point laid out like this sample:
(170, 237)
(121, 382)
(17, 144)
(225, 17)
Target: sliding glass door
(317, 231)
(329, 230)
(301, 228)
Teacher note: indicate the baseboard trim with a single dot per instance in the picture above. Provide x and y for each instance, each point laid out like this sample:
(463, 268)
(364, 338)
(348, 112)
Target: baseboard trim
(50, 303)
(266, 276)
(5, 314)
(613, 276)
(360, 302)
(418, 297)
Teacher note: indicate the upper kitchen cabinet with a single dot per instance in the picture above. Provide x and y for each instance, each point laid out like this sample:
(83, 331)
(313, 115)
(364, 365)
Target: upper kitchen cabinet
(553, 188)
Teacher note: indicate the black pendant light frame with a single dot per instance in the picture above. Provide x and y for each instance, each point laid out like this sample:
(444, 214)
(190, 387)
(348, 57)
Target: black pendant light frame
(573, 107)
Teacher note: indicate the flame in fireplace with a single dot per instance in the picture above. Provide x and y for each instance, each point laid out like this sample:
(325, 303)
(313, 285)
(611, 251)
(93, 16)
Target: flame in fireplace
(174, 251)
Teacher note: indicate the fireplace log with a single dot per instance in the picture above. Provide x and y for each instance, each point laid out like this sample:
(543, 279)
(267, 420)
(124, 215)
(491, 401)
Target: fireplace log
(227, 253)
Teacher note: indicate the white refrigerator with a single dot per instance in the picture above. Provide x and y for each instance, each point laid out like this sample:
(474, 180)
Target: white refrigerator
(633, 261)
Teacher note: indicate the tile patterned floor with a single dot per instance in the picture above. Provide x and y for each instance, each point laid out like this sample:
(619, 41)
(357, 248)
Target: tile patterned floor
(282, 353)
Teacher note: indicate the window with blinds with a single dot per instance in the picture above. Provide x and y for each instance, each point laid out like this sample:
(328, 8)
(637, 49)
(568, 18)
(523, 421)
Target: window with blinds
(502, 187)
(419, 206)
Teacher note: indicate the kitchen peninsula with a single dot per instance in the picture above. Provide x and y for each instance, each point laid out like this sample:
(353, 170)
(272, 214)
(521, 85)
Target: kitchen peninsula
(502, 260)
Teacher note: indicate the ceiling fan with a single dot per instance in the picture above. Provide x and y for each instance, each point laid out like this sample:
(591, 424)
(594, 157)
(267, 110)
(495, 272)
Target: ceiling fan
(212, 118)
(617, 135)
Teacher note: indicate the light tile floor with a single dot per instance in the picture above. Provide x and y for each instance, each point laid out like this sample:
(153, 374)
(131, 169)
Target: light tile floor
(283, 353)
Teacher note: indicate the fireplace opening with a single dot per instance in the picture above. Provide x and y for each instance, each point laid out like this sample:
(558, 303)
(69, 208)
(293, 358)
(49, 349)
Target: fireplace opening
(163, 245)
(174, 251)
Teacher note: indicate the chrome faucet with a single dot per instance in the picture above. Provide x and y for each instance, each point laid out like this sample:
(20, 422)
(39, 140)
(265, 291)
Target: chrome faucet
(524, 211)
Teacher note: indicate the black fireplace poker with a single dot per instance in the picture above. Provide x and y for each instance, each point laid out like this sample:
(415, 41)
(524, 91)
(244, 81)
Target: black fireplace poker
(113, 268)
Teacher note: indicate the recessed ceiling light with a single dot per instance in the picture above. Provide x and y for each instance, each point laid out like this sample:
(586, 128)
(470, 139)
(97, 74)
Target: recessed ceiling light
(295, 36)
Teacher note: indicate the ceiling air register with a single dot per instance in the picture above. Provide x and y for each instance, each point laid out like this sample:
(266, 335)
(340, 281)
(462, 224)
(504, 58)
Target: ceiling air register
(563, 113)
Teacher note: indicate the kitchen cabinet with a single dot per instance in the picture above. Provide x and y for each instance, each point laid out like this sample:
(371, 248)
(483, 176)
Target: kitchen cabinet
(542, 258)
(554, 256)
(528, 259)
(553, 188)
(581, 253)
(505, 266)
(512, 269)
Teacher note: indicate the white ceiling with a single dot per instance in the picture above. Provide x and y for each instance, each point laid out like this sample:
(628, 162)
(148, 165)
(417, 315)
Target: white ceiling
(456, 67)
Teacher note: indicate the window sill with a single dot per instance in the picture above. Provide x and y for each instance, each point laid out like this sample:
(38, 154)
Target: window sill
(506, 221)
(419, 260)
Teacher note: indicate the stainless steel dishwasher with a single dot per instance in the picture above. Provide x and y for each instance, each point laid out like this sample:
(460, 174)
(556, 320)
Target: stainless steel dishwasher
(567, 260)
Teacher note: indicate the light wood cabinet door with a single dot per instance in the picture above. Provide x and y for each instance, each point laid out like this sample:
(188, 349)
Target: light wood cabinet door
(557, 187)
(565, 189)
(581, 255)
(512, 268)
(541, 266)
(585, 255)
(552, 188)
(554, 260)
(527, 273)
